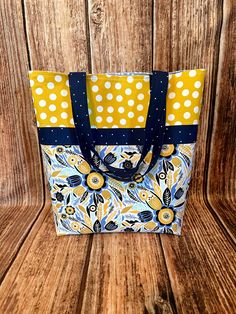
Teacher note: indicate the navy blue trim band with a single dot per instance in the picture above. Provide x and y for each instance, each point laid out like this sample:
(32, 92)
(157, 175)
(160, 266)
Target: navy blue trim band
(182, 134)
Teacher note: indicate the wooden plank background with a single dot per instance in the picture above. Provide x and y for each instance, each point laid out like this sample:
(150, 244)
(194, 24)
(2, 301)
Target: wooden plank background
(125, 273)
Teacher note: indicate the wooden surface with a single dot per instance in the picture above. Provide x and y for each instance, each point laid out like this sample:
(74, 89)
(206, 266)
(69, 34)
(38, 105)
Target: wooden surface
(145, 273)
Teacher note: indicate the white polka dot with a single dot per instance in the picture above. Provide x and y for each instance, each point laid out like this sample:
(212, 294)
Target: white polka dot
(52, 107)
(38, 124)
(140, 107)
(140, 119)
(50, 85)
(192, 73)
(42, 103)
(139, 85)
(195, 122)
(178, 123)
(72, 121)
(110, 109)
(108, 75)
(130, 102)
(94, 78)
(140, 96)
(119, 98)
(169, 85)
(171, 117)
(115, 127)
(64, 92)
(187, 115)
(40, 78)
(185, 92)
(98, 119)
(98, 98)
(64, 104)
(146, 78)
(53, 96)
(67, 83)
(121, 109)
(109, 96)
(130, 79)
(171, 95)
(137, 127)
(196, 109)
(107, 84)
(122, 121)
(195, 94)
(100, 109)
(109, 119)
(38, 91)
(176, 105)
(62, 125)
(90, 111)
(170, 76)
(64, 115)
(128, 91)
(53, 119)
(197, 84)
(95, 88)
(179, 84)
(117, 86)
(58, 78)
(43, 116)
(187, 103)
(178, 74)
(130, 114)
(167, 124)
(31, 83)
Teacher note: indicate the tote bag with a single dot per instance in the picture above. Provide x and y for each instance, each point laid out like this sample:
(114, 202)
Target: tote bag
(118, 147)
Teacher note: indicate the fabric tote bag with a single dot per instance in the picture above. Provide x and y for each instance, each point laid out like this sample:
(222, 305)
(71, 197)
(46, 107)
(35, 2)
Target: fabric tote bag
(118, 148)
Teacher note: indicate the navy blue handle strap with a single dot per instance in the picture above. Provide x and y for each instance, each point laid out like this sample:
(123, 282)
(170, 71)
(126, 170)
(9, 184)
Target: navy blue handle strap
(155, 122)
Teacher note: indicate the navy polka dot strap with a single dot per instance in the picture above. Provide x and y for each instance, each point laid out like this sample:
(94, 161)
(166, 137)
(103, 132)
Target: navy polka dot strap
(154, 130)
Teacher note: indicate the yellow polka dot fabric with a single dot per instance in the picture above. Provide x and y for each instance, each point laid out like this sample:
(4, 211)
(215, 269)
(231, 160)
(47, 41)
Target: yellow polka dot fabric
(116, 101)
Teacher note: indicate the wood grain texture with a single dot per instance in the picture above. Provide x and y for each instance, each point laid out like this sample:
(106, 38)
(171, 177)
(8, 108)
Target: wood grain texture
(125, 273)
(222, 188)
(201, 264)
(195, 261)
(120, 35)
(47, 274)
(22, 194)
(57, 34)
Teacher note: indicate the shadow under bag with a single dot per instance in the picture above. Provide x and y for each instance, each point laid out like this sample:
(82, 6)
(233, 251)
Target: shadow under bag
(118, 148)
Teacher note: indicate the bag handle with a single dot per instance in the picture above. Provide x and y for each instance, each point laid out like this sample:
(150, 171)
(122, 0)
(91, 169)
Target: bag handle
(154, 130)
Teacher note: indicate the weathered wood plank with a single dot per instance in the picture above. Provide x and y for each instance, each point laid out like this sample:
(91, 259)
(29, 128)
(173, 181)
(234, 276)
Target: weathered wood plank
(21, 175)
(47, 275)
(201, 264)
(57, 34)
(189, 36)
(222, 189)
(127, 274)
(120, 35)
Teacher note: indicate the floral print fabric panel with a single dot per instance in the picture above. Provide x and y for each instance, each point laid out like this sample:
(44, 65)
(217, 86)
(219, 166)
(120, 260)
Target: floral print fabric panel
(88, 201)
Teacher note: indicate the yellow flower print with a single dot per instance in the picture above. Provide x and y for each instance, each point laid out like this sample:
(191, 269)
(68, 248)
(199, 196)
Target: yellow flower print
(72, 160)
(166, 216)
(60, 149)
(95, 180)
(143, 195)
(79, 191)
(154, 202)
(75, 225)
(63, 216)
(167, 150)
(106, 194)
(70, 210)
(83, 166)
(138, 178)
